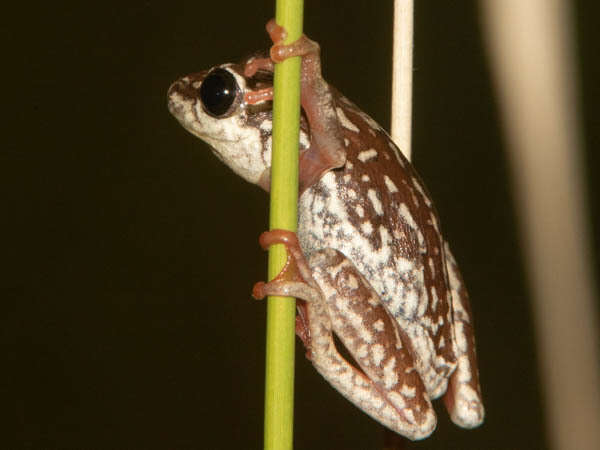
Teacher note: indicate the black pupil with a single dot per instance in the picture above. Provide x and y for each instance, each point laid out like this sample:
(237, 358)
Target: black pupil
(218, 91)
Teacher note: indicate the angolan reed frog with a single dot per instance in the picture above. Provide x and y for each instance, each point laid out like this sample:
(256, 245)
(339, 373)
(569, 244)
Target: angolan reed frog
(368, 263)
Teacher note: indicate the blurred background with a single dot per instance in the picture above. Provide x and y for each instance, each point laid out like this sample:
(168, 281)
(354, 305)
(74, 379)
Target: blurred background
(131, 250)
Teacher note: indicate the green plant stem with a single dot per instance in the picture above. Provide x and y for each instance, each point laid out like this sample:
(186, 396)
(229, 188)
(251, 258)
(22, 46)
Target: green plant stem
(281, 311)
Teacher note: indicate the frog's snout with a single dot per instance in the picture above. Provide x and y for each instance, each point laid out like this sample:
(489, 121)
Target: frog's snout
(178, 93)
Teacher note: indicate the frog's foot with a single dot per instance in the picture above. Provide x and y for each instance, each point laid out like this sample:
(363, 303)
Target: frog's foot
(261, 95)
(294, 280)
(463, 396)
(252, 66)
(308, 49)
(280, 52)
(255, 64)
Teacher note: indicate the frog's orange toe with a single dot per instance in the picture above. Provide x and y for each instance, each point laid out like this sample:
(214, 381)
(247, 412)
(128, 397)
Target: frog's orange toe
(276, 32)
(258, 291)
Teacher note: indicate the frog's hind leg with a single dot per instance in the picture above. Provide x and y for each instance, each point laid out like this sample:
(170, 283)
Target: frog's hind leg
(339, 300)
(387, 387)
(463, 396)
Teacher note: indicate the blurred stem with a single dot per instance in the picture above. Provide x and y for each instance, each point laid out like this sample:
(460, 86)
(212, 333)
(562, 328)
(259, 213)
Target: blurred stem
(531, 55)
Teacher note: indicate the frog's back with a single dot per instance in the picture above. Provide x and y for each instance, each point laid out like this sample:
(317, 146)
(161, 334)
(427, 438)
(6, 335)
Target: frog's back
(376, 211)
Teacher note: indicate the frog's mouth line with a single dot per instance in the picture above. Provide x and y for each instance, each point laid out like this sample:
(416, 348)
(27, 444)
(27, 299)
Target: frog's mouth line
(178, 109)
(213, 139)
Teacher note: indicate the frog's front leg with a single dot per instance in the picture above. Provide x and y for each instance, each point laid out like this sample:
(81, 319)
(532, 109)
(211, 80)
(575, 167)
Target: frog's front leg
(326, 150)
(339, 300)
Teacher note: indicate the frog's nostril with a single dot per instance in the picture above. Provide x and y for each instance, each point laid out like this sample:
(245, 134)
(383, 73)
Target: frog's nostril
(172, 105)
(182, 89)
(178, 87)
(177, 96)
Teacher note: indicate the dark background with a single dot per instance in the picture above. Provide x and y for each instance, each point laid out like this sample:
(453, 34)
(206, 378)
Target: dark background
(131, 251)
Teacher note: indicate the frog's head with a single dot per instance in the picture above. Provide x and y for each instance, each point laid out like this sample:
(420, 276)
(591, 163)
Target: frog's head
(211, 105)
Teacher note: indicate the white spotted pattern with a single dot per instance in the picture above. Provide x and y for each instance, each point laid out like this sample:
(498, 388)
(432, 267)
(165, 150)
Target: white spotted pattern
(365, 155)
(377, 205)
(377, 353)
(345, 121)
(419, 188)
(390, 184)
(390, 375)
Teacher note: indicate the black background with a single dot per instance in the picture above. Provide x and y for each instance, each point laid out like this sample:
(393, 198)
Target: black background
(131, 251)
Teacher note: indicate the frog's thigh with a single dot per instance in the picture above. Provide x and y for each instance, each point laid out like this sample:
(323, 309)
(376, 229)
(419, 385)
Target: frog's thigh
(388, 388)
(463, 397)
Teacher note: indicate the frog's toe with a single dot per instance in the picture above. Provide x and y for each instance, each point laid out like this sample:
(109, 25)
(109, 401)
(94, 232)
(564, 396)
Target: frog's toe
(463, 397)
(424, 428)
(467, 410)
(286, 288)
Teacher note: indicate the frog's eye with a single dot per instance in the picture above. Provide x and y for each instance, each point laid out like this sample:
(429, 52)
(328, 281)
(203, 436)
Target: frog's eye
(218, 92)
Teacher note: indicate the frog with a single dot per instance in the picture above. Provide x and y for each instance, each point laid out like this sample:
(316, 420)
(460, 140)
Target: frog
(382, 308)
